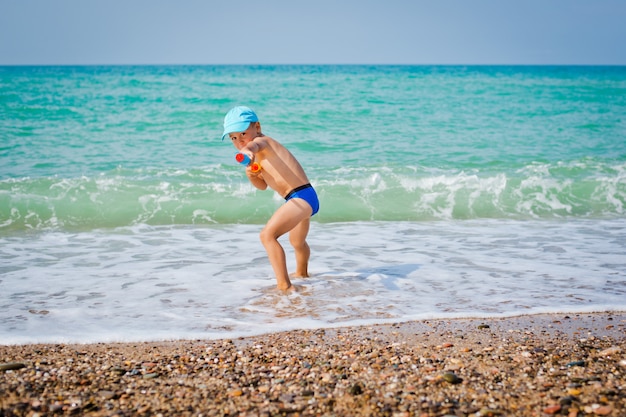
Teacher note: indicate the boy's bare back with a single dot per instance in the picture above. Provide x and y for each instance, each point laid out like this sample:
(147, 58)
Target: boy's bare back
(280, 169)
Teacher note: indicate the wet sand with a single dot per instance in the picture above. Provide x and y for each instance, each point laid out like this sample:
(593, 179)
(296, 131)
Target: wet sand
(563, 364)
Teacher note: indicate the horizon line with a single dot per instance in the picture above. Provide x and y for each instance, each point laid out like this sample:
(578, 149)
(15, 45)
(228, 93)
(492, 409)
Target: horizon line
(309, 65)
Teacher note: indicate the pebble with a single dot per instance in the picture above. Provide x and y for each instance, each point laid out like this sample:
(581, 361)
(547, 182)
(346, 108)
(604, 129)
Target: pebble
(355, 389)
(107, 395)
(235, 393)
(602, 410)
(11, 366)
(552, 409)
(489, 412)
(452, 378)
(613, 350)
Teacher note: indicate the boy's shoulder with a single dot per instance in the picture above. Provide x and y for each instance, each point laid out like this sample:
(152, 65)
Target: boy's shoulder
(267, 140)
(263, 137)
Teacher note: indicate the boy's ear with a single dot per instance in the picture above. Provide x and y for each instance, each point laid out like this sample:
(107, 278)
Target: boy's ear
(258, 127)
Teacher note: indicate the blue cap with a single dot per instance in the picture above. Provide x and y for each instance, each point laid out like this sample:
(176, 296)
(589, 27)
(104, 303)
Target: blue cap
(238, 119)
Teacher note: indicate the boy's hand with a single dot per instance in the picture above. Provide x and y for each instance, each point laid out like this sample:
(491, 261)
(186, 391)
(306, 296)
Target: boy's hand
(248, 153)
(250, 173)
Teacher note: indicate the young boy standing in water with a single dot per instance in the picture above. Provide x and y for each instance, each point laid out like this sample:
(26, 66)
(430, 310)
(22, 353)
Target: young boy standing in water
(283, 173)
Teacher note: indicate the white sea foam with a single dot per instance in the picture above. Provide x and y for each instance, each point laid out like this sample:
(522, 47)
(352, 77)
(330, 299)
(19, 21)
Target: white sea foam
(155, 283)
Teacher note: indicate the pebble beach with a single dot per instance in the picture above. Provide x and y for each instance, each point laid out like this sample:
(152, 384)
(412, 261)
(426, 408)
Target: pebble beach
(554, 364)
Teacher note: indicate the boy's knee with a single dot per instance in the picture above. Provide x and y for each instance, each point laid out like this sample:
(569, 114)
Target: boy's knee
(298, 244)
(266, 235)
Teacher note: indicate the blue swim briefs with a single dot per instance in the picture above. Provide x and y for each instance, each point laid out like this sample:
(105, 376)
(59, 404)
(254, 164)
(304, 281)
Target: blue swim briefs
(308, 194)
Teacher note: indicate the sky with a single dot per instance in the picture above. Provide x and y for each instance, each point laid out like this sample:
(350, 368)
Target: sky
(256, 32)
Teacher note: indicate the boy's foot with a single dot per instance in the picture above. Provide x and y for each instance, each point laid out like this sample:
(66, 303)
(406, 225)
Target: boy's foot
(298, 275)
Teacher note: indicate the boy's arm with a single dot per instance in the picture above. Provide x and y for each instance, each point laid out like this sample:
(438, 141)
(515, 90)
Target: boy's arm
(256, 145)
(256, 178)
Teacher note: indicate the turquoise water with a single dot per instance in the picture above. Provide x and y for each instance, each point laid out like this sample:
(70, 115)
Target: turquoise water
(445, 192)
(92, 147)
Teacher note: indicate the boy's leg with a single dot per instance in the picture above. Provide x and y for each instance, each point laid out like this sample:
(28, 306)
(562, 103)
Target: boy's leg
(287, 217)
(297, 238)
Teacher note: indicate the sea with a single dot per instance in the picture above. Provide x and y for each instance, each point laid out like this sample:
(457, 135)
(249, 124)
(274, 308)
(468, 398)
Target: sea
(446, 192)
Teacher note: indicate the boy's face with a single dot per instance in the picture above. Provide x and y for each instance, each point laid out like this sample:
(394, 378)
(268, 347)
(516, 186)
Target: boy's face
(241, 139)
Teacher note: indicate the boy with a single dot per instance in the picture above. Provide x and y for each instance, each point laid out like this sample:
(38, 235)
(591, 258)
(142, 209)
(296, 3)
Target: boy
(283, 173)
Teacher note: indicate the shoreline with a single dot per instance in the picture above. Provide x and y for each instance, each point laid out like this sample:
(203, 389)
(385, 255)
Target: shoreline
(546, 364)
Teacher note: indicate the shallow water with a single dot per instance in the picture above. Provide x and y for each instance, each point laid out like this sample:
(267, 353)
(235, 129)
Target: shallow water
(147, 283)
